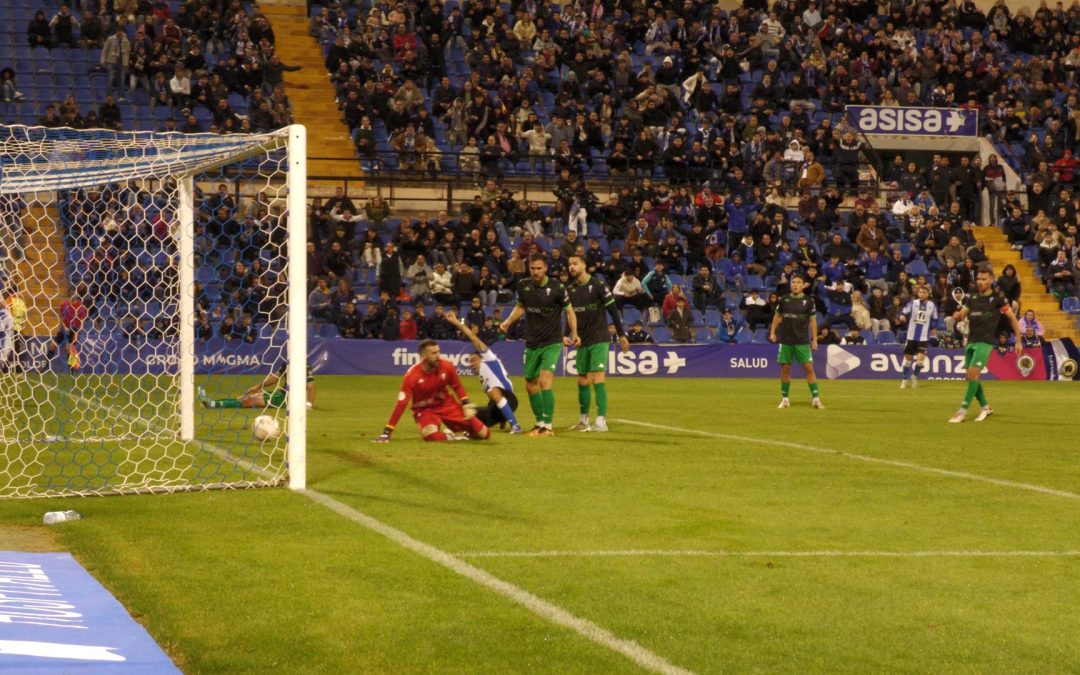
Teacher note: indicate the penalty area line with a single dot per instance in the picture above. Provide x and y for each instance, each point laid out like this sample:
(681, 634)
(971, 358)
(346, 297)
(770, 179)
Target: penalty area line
(949, 473)
(644, 553)
(535, 604)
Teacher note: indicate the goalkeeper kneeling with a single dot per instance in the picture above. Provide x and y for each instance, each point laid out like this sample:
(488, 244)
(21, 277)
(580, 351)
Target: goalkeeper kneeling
(429, 385)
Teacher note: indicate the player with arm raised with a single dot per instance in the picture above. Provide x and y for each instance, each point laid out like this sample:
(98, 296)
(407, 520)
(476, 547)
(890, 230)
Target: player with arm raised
(794, 326)
(983, 309)
(542, 301)
(592, 300)
(269, 393)
(502, 402)
(920, 314)
(427, 383)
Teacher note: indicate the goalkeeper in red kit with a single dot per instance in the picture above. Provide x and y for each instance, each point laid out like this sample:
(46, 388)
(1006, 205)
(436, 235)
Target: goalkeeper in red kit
(427, 384)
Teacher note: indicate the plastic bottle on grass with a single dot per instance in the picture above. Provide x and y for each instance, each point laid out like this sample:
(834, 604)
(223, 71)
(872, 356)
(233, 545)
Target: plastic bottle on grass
(53, 517)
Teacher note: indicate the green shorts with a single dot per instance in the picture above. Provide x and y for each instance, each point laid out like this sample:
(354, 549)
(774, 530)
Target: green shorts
(796, 353)
(977, 354)
(274, 399)
(541, 358)
(592, 358)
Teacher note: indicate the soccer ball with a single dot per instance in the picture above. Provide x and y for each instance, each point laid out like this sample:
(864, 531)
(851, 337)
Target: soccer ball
(265, 428)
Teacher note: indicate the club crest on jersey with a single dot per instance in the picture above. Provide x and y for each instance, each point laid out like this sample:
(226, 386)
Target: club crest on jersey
(548, 291)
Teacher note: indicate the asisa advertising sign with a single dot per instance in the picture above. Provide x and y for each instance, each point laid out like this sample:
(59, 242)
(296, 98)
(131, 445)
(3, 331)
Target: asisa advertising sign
(893, 120)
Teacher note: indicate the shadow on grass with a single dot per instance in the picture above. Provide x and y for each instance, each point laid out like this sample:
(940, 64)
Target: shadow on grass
(463, 504)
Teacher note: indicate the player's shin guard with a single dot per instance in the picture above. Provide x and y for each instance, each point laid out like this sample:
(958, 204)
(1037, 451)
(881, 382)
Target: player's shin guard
(814, 389)
(536, 402)
(226, 403)
(583, 396)
(601, 399)
(907, 371)
(507, 412)
(785, 389)
(972, 390)
(981, 395)
(549, 405)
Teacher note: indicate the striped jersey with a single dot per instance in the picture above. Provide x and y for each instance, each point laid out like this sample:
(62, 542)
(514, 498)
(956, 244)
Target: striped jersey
(493, 374)
(921, 316)
(7, 333)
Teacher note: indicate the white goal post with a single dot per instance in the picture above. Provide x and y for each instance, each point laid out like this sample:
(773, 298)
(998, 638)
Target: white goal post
(154, 304)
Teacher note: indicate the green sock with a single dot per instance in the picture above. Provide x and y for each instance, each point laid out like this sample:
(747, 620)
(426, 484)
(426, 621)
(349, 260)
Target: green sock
(972, 388)
(536, 402)
(584, 394)
(981, 395)
(601, 399)
(814, 389)
(549, 405)
(785, 389)
(226, 403)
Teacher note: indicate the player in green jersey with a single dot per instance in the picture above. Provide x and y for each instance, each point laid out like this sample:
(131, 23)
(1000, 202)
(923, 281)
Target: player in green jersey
(542, 301)
(983, 309)
(794, 326)
(269, 393)
(593, 303)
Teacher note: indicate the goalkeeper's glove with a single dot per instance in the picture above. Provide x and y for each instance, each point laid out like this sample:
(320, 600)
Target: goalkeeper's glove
(384, 437)
(469, 408)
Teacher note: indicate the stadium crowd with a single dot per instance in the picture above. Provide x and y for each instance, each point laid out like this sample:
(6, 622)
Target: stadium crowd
(694, 152)
(211, 63)
(710, 118)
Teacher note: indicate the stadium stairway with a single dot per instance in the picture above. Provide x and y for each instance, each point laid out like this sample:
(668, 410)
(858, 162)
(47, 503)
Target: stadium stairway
(43, 285)
(330, 148)
(1033, 295)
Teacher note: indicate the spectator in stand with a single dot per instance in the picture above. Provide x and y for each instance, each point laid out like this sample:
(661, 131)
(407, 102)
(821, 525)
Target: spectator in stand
(419, 275)
(879, 307)
(349, 323)
(407, 328)
(63, 25)
(39, 33)
(377, 211)
(115, 57)
(1029, 322)
(1009, 285)
(637, 335)
(680, 322)
(629, 291)
(319, 301)
(758, 312)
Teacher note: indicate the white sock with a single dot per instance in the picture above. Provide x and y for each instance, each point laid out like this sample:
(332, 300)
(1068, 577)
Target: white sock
(601, 420)
(585, 419)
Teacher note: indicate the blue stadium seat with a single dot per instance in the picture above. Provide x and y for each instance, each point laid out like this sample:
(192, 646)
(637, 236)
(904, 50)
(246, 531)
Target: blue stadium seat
(1071, 304)
(886, 337)
(661, 335)
(917, 267)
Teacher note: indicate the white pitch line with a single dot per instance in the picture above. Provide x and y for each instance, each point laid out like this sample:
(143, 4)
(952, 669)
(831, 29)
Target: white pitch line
(535, 604)
(642, 553)
(1000, 482)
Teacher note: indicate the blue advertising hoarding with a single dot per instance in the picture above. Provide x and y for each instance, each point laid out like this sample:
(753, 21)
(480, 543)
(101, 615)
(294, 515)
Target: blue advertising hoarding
(56, 618)
(894, 120)
(1056, 360)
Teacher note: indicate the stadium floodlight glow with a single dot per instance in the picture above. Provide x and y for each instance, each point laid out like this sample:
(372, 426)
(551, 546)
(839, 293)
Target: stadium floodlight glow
(113, 253)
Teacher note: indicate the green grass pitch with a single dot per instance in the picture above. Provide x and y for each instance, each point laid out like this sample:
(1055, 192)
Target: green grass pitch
(868, 537)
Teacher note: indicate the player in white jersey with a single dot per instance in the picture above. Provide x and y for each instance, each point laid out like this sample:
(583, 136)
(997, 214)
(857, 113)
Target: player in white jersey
(501, 399)
(920, 315)
(7, 335)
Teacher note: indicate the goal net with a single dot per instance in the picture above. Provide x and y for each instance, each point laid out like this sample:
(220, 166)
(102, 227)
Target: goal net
(154, 306)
